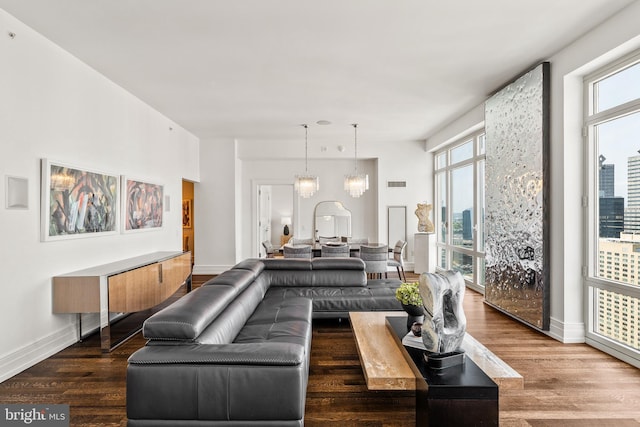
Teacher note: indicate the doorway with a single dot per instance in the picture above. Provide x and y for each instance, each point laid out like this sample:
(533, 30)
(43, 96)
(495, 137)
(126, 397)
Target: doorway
(275, 215)
(188, 218)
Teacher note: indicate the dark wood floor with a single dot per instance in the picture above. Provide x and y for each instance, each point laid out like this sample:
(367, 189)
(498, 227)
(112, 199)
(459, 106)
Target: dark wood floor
(565, 385)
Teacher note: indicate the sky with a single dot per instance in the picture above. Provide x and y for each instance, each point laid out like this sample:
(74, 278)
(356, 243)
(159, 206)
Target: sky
(619, 139)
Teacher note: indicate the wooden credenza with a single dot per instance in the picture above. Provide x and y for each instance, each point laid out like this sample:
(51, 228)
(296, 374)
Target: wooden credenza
(126, 286)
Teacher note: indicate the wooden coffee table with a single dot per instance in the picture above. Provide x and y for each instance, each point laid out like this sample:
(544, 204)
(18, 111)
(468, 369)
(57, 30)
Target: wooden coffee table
(385, 364)
(458, 396)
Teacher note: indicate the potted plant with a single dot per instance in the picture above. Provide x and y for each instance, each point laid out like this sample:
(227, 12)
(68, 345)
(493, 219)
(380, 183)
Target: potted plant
(409, 296)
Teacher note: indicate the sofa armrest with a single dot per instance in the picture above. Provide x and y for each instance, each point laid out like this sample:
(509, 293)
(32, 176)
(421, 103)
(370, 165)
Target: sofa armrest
(249, 382)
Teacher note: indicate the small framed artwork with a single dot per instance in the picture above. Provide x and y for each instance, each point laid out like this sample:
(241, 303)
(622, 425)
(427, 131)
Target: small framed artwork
(187, 206)
(142, 205)
(77, 202)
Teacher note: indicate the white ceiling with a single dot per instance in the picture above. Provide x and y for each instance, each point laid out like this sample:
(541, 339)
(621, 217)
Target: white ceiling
(256, 69)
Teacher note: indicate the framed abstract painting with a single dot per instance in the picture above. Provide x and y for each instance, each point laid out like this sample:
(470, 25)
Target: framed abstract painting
(77, 202)
(143, 209)
(187, 209)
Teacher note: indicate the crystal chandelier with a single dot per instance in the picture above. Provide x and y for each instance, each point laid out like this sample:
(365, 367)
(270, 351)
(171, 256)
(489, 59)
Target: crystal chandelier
(306, 185)
(356, 184)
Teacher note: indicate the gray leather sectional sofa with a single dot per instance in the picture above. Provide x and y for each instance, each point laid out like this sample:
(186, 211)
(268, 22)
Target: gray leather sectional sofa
(236, 351)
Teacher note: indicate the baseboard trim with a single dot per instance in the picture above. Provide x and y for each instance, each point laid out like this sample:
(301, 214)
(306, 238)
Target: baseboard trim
(29, 355)
(409, 266)
(567, 333)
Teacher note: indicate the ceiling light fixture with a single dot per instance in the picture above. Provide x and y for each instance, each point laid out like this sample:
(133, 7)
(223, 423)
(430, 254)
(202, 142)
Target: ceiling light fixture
(306, 185)
(356, 184)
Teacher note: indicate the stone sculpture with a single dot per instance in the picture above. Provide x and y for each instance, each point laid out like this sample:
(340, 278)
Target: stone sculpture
(424, 224)
(444, 323)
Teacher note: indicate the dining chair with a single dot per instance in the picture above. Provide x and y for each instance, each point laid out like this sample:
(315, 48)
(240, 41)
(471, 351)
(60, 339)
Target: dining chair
(269, 249)
(357, 242)
(297, 241)
(398, 259)
(375, 259)
(297, 251)
(336, 251)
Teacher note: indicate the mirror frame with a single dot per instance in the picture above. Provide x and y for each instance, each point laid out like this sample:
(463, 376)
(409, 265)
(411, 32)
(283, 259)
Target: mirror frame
(399, 212)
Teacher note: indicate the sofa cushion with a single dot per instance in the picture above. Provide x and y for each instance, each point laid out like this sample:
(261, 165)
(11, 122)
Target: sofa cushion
(287, 264)
(339, 278)
(185, 319)
(229, 384)
(281, 311)
(279, 321)
(337, 264)
(288, 278)
(188, 318)
(237, 278)
(252, 264)
(225, 327)
(292, 331)
(341, 300)
(326, 272)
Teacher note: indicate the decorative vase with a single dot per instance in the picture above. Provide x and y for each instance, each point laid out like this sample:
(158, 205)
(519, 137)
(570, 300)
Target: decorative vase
(286, 230)
(415, 314)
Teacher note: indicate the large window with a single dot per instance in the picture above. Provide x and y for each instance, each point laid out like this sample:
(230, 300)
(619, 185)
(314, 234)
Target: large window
(459, 207)
(612, 129)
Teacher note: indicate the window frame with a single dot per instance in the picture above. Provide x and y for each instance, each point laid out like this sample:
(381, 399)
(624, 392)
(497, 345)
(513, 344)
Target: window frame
(594, 279)
(478, 155)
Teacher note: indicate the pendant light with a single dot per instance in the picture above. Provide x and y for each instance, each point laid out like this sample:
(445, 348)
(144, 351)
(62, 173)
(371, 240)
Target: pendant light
(356, 184)
(306, 185)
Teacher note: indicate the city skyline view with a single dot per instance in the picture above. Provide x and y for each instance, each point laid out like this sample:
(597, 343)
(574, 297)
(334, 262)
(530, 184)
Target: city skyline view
(618, 139)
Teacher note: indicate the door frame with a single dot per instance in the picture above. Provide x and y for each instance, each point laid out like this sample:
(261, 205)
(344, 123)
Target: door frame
(255, 211)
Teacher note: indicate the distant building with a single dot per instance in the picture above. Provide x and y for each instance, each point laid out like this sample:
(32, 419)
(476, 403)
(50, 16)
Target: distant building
(467, 225)
(617, 317)
(619, 260)
(611, 216)
(606, 179)
(633, 182)
(611, 208)
(632, 212)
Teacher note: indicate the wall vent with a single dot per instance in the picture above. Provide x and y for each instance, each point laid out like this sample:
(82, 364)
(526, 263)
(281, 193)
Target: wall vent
(396, 184)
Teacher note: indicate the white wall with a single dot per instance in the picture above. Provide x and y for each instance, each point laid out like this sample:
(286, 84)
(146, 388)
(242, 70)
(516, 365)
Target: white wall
(271, 162)
(404, 162)
(613, 38)
(55, 107)
(215, 211)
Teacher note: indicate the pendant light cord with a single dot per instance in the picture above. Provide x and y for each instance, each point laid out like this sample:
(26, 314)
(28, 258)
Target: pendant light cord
(355, 137)
(306, 156)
